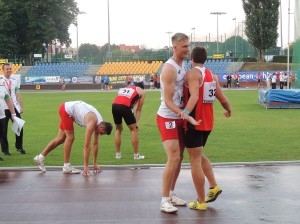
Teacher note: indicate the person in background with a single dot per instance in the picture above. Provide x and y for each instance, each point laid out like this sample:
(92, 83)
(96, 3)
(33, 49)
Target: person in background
(128, 80)
(63, 82)
(140, 82)
(293, 80)
(155, 82)
(102, 82)
(5, 99)
(281, 80)
(106, 82)
(151, 81)
(128, 99)
(259, 79)
(274, 80)
(13, 88)
(84, 115)
(170, 118)
(200, 92)
(228, 77)
(268, 80)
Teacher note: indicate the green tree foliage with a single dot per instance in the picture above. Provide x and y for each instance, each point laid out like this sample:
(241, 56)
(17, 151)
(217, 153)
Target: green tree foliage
(86, 50)
(29, 26)
(262, 18)
(8, 43)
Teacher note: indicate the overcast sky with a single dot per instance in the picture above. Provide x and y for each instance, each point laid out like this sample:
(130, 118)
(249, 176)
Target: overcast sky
(143, 22)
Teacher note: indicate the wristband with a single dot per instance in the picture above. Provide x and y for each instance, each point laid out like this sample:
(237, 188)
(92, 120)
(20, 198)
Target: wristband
(186, 111)
(13, 114)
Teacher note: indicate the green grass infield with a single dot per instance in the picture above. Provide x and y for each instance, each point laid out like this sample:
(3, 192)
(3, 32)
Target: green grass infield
(252, 134)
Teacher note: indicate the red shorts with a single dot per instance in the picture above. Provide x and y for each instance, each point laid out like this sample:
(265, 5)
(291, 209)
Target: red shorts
(170, 129)
(66, 121)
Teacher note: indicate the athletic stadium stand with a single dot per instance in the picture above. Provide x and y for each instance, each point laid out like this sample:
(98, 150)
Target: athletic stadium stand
(58, 69)
(132, 68)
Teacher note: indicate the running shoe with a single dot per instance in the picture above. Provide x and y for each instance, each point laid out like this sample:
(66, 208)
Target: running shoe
(70, 170)
(40, 163)
(197, 205)
(138, 157)
(168, 207)
(177, 201)
(213, 194)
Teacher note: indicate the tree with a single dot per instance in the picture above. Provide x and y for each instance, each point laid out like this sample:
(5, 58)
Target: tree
(8, 43)
(88, 51)
(262, 18)
(34, 24)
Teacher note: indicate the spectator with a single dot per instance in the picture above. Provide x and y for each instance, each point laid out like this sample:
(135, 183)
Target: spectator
(128, 80)
(13, 88)
(281, 80)
(151, 82)
(228, 80)
(274, 80)
(155, 79)
(268, 80)
(5, 99)
(63, 82)
(140, 81)
(293, 80)
(106, 82)
(259, 79)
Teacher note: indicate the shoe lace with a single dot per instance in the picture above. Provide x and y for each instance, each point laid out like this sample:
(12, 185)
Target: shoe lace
(211, 194)
(194, 205)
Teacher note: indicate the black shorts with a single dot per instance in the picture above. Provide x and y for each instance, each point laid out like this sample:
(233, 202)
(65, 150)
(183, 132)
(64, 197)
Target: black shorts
(194, 138)
(120, 111)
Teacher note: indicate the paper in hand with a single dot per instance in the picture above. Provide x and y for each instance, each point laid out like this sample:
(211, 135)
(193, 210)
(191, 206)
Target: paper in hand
(17, 125)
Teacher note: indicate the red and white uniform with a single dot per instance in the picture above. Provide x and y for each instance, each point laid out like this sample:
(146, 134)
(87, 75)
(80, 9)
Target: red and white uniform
(127, 96)
(77, 111)
(163, 110)
(204, 107)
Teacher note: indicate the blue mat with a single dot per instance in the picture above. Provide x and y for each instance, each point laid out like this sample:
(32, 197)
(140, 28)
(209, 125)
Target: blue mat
(279, 98)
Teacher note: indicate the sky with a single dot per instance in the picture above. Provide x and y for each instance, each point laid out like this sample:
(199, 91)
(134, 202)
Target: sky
(146, 22)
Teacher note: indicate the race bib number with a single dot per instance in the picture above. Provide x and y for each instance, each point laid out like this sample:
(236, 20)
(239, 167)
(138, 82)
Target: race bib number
(170, 124)
(209, 92)
(127, 92)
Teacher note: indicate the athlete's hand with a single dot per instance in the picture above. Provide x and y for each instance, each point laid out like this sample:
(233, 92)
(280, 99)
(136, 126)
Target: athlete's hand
(86, 173)
(227, 114)
(96, 169)
(183, 115)
(193, 121)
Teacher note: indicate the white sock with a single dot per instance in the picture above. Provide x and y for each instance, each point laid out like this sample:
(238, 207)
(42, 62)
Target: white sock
(136, 154)
(41, 157)
(165, 199)
(67, 164)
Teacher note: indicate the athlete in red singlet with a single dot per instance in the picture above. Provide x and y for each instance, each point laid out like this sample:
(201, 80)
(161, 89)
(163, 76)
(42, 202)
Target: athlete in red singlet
(200, 92)
(129, 98)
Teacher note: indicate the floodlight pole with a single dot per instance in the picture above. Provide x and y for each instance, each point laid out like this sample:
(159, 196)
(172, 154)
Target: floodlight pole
(80, 12)
(234, 35)
(169, 33)
(194, 36)
(218, 13)
(108, 21)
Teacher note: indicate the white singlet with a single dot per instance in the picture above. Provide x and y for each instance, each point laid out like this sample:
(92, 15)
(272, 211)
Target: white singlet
(78, 109)
(163, 110)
